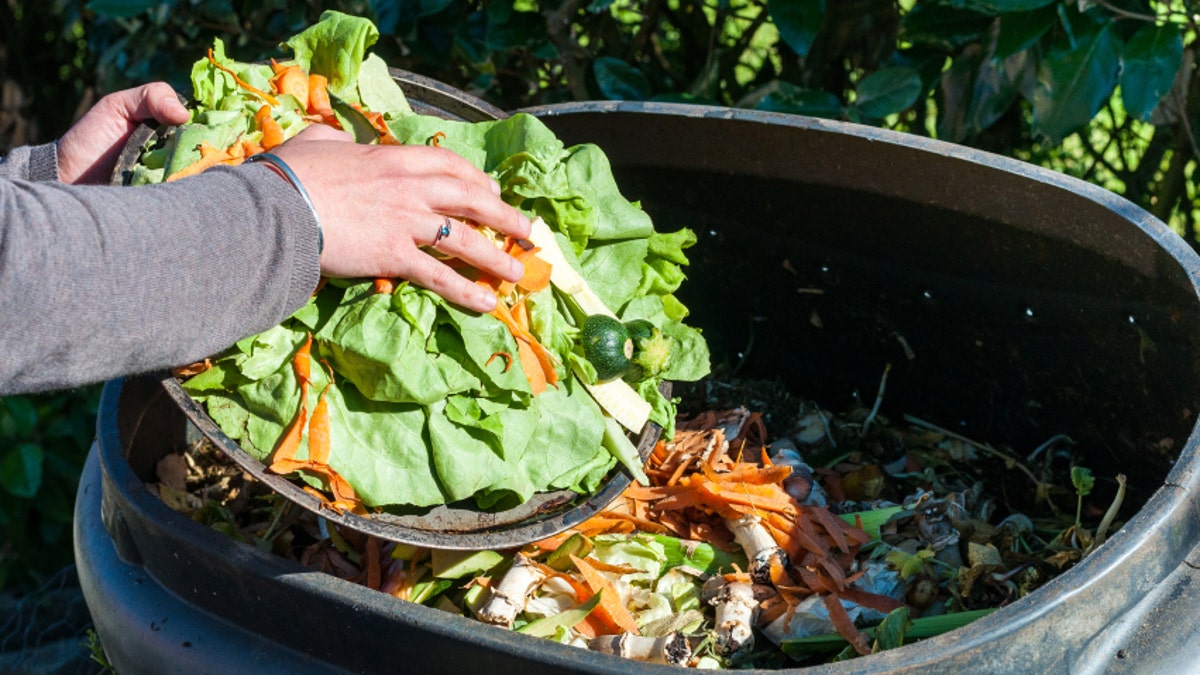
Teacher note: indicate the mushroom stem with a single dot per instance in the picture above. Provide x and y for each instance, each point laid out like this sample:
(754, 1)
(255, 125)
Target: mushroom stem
(672, 648)
(509, 596)
(737, 609)
(759, 545)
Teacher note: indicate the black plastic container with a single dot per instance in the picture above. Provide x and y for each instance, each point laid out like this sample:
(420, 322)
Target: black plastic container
(1013, 303)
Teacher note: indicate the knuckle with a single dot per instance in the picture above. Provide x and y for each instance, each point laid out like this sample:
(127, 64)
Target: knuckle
(445, 160)
(441, 277)
(464, 192)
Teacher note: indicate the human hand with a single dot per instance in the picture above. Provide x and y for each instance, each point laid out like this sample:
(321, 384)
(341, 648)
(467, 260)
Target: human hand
(88, 151)
(379, 204)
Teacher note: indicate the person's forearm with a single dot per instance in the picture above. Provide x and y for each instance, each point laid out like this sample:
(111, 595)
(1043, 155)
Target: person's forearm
(97, 282)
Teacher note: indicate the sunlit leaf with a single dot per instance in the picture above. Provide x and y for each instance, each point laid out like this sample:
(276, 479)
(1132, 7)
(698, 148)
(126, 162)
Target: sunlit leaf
(619, 81)
(887, 91)
(1150, 60)
(908, 565)
(21, 470)
(798, 21)
(1074, 82)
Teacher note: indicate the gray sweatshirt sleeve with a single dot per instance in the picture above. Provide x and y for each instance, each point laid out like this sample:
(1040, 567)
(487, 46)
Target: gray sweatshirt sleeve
(98, 282)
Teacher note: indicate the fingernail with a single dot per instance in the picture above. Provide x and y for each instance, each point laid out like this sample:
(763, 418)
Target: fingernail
(495, 186)
(515, 270)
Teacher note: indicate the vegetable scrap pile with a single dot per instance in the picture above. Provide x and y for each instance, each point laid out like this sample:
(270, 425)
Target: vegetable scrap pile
(378, 393)
(760, 540)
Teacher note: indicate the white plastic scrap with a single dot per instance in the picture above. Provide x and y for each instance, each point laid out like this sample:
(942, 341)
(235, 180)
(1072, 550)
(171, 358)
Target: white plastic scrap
(812, 617)
(812, 428)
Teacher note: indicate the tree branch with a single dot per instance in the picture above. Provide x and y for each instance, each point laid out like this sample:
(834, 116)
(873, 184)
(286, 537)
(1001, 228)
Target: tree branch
(559, 28)
(1126, 14)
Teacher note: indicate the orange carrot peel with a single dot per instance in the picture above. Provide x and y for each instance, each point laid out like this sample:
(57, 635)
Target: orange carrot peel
(290, 80)
(272, 133)
(610, 608)
(284, 459)
(242, 83)
(209, 157)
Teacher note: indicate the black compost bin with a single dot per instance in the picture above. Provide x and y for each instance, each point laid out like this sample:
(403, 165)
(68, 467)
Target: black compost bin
(1013, 303)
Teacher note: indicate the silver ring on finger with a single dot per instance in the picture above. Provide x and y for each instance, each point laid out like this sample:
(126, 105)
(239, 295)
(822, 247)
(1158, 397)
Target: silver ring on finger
(443, 231)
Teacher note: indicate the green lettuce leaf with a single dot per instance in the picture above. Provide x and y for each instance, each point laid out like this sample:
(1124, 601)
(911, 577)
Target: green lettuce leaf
(335, 47)
(377, 90)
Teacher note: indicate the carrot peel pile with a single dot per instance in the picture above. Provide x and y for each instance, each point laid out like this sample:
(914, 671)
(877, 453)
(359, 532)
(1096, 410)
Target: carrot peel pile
(697, 489)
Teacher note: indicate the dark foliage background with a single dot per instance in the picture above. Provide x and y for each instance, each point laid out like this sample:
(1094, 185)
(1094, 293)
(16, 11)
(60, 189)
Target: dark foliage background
(1104, 90)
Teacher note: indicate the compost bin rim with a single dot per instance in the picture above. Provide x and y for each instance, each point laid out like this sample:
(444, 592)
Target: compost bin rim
(1150, 526)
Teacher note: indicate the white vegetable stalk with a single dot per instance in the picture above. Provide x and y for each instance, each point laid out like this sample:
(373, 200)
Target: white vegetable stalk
(616, 397)
(759, 545)
(509, 596)
(737, 610)
(672, 648)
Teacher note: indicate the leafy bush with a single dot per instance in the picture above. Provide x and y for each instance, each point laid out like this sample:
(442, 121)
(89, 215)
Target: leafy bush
(1100, 89)
(1104, 90)
(46, 441)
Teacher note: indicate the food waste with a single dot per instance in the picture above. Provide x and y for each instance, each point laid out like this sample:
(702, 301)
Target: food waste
(745, 548)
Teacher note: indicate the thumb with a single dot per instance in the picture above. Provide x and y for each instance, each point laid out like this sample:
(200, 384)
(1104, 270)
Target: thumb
(156, 101)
